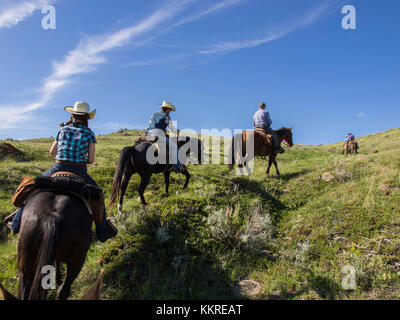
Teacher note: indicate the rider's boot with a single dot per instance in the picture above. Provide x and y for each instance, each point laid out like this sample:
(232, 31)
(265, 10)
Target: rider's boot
(179, 168)
(9, 218)
(105, 229)
(13, 221)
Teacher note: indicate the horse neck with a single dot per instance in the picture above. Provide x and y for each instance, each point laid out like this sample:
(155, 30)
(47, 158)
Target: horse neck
(181, 143)
(281, 133)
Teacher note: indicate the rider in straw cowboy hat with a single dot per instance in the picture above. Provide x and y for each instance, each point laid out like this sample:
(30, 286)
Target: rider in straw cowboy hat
(74, 148)
(262, 120)
(158, 125)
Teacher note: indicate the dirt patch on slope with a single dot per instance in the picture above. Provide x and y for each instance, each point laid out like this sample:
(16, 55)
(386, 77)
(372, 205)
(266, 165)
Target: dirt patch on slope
(7, 150)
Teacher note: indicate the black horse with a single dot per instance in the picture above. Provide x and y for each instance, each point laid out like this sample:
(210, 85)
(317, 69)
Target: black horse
(56, 228)
(133, 160)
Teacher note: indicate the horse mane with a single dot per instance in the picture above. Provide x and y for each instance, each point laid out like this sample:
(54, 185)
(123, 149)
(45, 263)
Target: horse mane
(281, 131)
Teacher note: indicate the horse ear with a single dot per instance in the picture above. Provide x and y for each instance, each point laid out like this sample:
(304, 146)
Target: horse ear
(94, 291)
(291, 128)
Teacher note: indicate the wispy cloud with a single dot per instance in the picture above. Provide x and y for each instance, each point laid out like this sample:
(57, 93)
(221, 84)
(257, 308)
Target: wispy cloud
(213, 9)
(86, 57)
(362, 115)
(90, 52)
(275, 34)
(11, 16)
(152, 62)
(222, 5)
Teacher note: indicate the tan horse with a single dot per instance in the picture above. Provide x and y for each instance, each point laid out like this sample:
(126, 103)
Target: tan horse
(262, 147)
(350, 147)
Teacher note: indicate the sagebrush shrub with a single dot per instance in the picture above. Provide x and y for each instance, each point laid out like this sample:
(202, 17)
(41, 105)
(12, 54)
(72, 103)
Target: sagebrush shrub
(258, 230)
(254, 235)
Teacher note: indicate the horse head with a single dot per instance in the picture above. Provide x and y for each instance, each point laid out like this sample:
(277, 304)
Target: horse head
(288, 137)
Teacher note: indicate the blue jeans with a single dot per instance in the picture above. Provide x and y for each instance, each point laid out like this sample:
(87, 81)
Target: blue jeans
(172, 145)
(177, 164)
(276, 144)
(78, 170)
(57, 167)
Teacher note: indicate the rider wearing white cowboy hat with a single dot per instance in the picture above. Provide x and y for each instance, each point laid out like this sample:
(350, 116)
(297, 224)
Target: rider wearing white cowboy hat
(73, 148)
(81, 108)
(159, 122)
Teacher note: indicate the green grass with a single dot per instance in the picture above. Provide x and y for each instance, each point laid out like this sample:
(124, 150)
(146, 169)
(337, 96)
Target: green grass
(199, 243)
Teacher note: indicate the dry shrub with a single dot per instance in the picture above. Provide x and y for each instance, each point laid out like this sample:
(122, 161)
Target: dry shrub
(253, 236)
(258, 230)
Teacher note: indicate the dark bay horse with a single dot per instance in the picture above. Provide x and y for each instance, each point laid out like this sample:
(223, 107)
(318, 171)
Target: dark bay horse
(261, 148)
(133, 160)
(93, 293)
(56, 228)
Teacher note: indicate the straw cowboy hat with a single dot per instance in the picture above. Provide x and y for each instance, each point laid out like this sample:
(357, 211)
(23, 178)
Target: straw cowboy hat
(81, 108)
(262, 105)
(168, 105)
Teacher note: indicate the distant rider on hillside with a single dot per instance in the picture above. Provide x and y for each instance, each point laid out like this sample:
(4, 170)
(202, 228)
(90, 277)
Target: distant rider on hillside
(349, 138)
(262, 120)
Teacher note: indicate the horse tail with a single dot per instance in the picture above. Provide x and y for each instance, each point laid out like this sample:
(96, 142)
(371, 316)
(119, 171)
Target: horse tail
(123, 163)
(46, 255)
(231, 163)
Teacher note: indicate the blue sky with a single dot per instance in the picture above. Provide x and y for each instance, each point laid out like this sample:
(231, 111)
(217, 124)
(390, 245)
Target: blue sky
(215, 60)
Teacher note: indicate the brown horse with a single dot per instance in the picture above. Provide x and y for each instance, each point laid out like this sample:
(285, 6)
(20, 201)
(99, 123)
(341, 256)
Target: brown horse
(56, 228)
(262, 147)
(350, 147)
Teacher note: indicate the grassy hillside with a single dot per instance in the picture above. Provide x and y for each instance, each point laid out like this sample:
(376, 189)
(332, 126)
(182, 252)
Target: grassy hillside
(291, 234)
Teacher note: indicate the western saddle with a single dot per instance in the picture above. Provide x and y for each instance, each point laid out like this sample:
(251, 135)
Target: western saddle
(67, 182)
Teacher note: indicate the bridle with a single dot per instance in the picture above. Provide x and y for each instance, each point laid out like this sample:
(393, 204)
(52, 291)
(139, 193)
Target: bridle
(285, 142)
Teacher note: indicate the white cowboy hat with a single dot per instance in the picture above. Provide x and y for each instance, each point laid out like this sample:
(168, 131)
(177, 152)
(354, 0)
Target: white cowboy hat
(81, 108)
(168, 105)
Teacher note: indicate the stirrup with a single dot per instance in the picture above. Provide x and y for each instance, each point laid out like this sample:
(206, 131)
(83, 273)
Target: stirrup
(109, 232)
(10, 217)
(114, 230)
(180, 169)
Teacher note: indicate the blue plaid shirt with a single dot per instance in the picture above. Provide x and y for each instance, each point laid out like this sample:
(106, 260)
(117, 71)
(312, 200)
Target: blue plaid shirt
(73, 142)
(161, 120)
